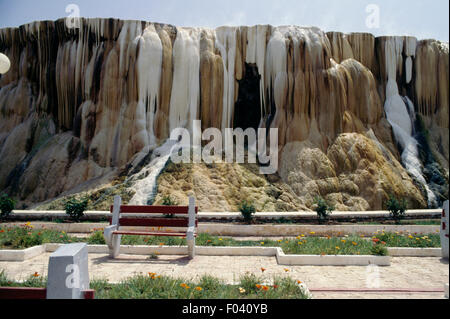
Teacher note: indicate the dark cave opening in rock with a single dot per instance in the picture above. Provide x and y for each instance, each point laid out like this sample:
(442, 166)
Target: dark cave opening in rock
(247, 110)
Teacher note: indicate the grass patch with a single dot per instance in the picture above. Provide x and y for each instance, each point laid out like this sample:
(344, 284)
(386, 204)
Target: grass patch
(34, 281)
(26, 236)
(154, 286)
(409, 240)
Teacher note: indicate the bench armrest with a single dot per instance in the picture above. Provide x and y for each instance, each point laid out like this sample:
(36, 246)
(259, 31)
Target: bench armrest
(190, 233)
(107, 233)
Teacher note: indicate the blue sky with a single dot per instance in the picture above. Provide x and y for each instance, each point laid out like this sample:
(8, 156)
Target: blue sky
(420, 18)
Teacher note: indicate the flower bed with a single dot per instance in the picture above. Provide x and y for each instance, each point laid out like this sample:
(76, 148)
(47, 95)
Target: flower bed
(154, 286)
(305, 244)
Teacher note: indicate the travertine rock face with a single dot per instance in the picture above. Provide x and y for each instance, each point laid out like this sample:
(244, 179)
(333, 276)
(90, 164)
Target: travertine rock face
(81, 106)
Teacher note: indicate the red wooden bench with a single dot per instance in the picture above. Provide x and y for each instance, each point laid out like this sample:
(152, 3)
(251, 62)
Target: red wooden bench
(33, 293)
(156, 216)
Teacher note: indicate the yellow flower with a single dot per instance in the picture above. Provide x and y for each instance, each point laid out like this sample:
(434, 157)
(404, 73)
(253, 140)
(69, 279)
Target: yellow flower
(302, 235)
(410, 236)
(300, 243)
(337, 247)
(286, 270)
(241, 290)
(354, 244)
(343, 240)
(312, 233)
(220, 238)
(262, 243)
(279, 240)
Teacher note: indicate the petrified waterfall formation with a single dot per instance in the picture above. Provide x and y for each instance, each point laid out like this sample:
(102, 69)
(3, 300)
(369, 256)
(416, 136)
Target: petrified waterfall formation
(80, 106)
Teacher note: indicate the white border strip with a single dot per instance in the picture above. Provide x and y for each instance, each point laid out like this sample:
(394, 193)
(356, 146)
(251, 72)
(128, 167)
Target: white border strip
(282, 258)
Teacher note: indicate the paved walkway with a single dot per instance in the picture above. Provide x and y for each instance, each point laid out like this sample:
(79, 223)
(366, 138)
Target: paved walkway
(412, 273)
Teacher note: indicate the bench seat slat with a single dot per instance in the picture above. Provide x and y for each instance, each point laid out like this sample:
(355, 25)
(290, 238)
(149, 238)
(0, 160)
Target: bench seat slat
(168, 222)
(154, 222)
(142, 233)
(155, 209)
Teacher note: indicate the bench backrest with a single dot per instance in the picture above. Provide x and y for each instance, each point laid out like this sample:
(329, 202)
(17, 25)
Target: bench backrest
(125, 215)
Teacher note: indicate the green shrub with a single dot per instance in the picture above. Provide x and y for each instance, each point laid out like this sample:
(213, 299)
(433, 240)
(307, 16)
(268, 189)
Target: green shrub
(96, 238)
(379, 250)
(322, 209)
(396, 208)
(168, 201)
(6, 205)
(247, 210)
(75, 208)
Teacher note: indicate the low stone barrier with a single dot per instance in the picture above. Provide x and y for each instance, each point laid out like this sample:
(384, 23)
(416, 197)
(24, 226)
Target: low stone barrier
(282, 259)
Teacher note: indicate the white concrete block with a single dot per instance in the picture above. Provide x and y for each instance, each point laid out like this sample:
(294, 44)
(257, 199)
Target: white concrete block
(68, 273)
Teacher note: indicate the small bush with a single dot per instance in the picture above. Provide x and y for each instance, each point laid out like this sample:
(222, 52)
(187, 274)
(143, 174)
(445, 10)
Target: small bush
(322, 209)
(6, 205)
(75, 208)
(396, 208)
(247, 210)
(379, 250)
(96, 238)
(168, 201)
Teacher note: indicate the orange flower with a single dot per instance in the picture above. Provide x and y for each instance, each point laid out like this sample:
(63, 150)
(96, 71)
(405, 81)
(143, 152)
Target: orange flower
(185, 286)
(354, 244)
(286, 270)
(322, 254)
(35, 274)
(265, 288)
(299, 282)
(258, 286)
(383, 243)
(198, 288)
(161, 244)
(275, 286)
(2, 231)
(263, 269)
